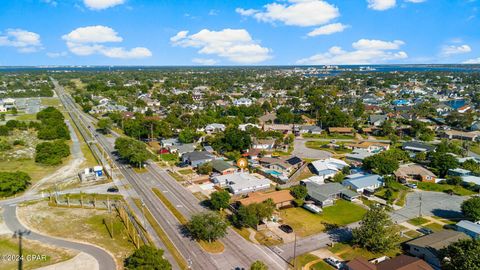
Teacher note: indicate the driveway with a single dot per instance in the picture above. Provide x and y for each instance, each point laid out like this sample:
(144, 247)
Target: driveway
(432, 204)
(302, 151)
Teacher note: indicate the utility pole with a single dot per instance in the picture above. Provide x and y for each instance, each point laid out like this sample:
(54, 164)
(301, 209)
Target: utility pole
(143, 212)
(295, 250)
(20, 234)
(420, 207)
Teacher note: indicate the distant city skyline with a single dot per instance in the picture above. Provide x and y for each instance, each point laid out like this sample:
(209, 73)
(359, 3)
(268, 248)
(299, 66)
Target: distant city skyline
(250, 32)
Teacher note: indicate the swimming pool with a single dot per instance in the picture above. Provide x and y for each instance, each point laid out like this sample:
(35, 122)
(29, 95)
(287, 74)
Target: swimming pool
(273, 172)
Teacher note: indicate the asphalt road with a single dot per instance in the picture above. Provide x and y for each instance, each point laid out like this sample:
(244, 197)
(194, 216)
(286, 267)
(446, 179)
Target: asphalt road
(429, 204)
(302, 151)
(104, 259)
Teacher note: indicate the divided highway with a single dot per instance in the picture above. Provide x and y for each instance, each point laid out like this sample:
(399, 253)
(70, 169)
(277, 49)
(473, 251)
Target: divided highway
(239, 253)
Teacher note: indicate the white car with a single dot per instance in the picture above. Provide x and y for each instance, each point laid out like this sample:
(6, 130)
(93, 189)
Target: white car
(334, 262)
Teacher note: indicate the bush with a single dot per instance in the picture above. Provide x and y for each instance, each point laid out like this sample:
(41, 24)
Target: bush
(51, 153)
(147, 257)
(13, 182)
(4, 146)
(18, 142)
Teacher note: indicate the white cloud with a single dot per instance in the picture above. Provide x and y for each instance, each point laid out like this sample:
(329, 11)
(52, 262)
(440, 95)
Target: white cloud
(381, 4)
(366, 52)
(89, 40)
(56, 54)
(102, 4)
(415, 1)
(295, 12)
(472, 61)
(205, 62)
(452, 49)
(24, 41)
(235, 45)
(328, 29)
(92, 34)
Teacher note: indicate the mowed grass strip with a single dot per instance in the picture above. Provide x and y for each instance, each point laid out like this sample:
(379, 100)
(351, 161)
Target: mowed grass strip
(211, 247)
(163, 236)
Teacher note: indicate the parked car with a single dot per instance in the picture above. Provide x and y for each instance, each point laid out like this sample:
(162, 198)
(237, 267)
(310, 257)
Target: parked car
(414, 186)
(334, 262)
(425, 230)
(112, 189)
(182, 165)
(286, 228)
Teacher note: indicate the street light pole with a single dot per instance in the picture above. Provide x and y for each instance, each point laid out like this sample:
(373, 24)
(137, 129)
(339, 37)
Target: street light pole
(20, 234)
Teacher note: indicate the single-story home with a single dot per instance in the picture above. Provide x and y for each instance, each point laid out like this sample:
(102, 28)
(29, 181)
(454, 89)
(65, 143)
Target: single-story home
(223, 167)
(372, 147)
(169, 142)
(471, 229)
(263, 144)
(283, 164)
(428, 246)
(358, 155)
(401, 262)
(341, 130)
(281, 198)
(359, 183)
(417, 147)
(214, 128)
(197, 158)
(327, 168)
(310, 130)
(181, 149)
(409, 172)
(326, 194)
(461, 135)
(459, 172)
(377, 119)
(242, 182)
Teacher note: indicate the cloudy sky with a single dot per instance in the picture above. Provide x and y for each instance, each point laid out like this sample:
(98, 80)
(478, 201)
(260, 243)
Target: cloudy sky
(238, 32)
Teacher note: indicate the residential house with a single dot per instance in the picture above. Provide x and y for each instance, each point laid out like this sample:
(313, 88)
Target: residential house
(242, 182)
(310, 130)
(214, 128)
(281, 198)
(372, 147)
(410, 172)
(197, 158)
(401, 262)
(181, 149)
(244, 127)
(360, 183)
(461, 135)
(223, 167)
(268, 118)
(279, 127)
(459, 172)
(169, 142)
(341, 130)
(428, 246)
(377, 120)
(285, 164)
(326, 194)
(415, 146)
(327, 168)
(263, 144)
(243, 102)
(357, 156)
(464, 109)
(471, 229)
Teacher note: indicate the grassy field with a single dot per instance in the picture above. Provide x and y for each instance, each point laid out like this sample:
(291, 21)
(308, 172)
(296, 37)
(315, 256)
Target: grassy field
(213, 247)
(163, 236)
(9, 246)
(321, 265)
(306, 223)
(36, 171)
(347, 252)
(418, 221)
(168, 157)
(458, 190)
(86, 225)
(50, 101)
(320, 145)
(26, 117)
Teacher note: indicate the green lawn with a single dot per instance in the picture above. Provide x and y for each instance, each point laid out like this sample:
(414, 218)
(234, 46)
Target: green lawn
(303, 259)
(434, 227)
(321, 265)
(418, 221)
(35, 170)
(321, 145)
(185, 171)
(176, 176)
(347, 252)
(458, 190)
(168, 157)
(306, 223)
(26, 117)
(50, 101)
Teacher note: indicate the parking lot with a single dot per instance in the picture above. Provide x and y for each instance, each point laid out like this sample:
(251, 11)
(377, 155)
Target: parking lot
(429, 204)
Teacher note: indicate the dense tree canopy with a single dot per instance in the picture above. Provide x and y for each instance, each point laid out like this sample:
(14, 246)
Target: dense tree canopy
(461, 255)
(471, 208)
(258, 265)
(13, 182)
(376, 232)
(51, 153)
(133, 151)
(251, 215)
(219, 199)
(208, 226)
(147, 257)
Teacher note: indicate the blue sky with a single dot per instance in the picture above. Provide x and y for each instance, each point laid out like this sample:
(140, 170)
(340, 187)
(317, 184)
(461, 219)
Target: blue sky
(234, 32)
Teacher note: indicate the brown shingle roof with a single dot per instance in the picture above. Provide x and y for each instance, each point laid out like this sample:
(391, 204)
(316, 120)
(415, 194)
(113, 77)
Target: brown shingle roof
(402, 262)
(280, 196)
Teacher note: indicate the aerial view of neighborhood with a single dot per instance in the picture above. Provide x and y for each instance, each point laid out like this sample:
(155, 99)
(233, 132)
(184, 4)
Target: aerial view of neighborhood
(237, 135)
